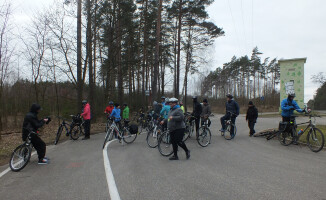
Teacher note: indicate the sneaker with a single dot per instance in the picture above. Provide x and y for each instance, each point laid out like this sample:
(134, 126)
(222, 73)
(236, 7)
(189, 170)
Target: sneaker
(174, 158)
(43, 162)
(46, 158)
(188, 154)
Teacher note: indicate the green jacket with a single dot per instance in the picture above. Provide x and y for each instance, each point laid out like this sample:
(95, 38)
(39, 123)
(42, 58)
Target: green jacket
(125, 113)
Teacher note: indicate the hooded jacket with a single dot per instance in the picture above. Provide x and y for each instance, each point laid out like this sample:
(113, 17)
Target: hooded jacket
(31, 122)
(252, 114)
(116, 113)
(125, 113)
(232, 106)
(87, 112)
(197, 109)
(165, 111)
(206, 111)
(288, 107)
(177, 121)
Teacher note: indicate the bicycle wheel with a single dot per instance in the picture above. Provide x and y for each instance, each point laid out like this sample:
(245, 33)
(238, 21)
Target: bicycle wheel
(227, 133)
(315, 140)
(107, 137)
(75, 132)
(204, 138)
(152, 137)
(164, 144)
(140, 125)
(58, 135)
(128, 137)
(285, 138)
(186, 135)
(20, 157)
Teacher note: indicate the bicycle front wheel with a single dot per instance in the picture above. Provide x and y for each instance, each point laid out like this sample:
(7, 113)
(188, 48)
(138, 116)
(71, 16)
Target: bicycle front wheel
(20, 157)
(315, 140)
(152, 137)
(228, 135)
(58, 135)
(164, 144)
(75, 132)
(128, 137)
(204, 138)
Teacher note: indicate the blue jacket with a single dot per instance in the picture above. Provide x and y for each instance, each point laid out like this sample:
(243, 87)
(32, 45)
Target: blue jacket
(286, 106)
(233, 107)
(116, 114)
(165, 111)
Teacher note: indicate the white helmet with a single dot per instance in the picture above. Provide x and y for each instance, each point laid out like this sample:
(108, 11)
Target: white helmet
(173, 100)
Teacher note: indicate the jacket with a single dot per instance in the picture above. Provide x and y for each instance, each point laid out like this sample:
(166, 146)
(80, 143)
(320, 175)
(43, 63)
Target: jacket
(182, 108)
(31, 122)
(87, 112)
(288, 107)
(232, 106)
(125, 113)
(116, 114)
(165, 111)
(177, 121)
(206, 111)
(197, 109)
(109, 109)
(157, 108)
(252, 114)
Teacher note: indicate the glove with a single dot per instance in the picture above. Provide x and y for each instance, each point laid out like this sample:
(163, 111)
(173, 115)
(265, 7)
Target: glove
(292, 108)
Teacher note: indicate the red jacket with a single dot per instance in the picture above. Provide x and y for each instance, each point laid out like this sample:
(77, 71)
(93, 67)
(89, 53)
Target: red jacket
(87, 112)
(109, 109)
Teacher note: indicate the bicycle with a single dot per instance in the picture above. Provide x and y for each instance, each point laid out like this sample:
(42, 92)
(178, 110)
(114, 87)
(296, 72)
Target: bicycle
(164, 144)
(22, 154)
(288, 134)
(125, 134)
(154, 133)
(204, 136)
(74, 130)
(108, 122)
(190, 126)
(230, 127)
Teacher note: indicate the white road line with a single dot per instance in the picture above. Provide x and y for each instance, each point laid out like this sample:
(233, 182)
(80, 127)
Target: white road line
(8, 169)
(113, 190)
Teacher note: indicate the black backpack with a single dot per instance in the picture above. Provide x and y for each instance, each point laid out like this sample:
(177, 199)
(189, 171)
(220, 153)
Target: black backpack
(133, 129)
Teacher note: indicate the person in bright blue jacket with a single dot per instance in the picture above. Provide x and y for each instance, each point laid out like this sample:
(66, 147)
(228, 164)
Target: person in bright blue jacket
(165, 110)
(116, 113)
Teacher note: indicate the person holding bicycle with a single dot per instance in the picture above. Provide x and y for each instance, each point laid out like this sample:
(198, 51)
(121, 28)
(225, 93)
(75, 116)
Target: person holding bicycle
(197, 110)
(232, 111)
(87, 119)
(32, 123)
(125, 113)
(108, 109)
(288, 105)
(206, 112)
(116, 114)
(176, 126)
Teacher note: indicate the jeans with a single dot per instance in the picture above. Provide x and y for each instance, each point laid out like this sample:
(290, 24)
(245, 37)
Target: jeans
(251, 125)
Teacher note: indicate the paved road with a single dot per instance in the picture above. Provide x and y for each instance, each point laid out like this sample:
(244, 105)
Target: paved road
(244, 168)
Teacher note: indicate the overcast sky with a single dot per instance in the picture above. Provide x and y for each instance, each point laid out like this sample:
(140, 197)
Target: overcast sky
(282, 29)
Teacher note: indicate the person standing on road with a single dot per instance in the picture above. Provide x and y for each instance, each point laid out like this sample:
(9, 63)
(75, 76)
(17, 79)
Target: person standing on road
(251, 117)
(32, 123)
(232, 111)
(197, 110)
(182, 107)
(125, 113)
(87, 119)
(206, 112)
(176, 126)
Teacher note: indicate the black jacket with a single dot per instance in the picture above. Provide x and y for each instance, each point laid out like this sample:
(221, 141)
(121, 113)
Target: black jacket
(252, 113)
(197, 109)
(232, 106)
(31, 122)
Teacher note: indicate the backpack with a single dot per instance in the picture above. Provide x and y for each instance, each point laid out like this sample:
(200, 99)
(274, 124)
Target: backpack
(133, 129)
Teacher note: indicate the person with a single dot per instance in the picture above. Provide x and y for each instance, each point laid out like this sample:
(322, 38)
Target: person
(176, 126)
(197, 110)
(116, 113)
(182, 107)
(163, 101)
(109, 108)
(32, 123)
(87, 119)
(165, 110)
(251, 117)
(206, 111)
(288, 105)
(125, 113)
(233, 107)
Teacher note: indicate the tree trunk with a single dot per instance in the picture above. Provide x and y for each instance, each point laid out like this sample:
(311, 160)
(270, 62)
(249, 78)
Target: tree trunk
(179, 50)
(79, 59)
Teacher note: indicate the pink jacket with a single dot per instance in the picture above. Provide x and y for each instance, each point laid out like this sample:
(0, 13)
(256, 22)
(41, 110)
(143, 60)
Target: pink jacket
(87, 112)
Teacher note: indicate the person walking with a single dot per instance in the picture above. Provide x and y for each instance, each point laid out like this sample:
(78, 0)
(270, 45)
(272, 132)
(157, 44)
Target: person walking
(251, 117)
(125, 113)
(197, 110)
(176, 127)
(87, 119)
(32, 123)
(232, 111)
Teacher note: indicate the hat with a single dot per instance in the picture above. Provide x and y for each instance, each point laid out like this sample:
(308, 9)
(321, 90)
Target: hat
(250, 103)
(84, 102)
(229, 96)
(205, 100)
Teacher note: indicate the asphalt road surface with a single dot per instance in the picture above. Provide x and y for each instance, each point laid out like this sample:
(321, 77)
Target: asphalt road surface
(243, 168)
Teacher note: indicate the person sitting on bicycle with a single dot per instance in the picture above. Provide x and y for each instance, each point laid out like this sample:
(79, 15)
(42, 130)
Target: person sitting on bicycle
(231, 107)
(176, 126)
(288, 105)
(197, 110)
(32, 123)
(87, 119)
(108, 109)
(206, 112)
(116, 114)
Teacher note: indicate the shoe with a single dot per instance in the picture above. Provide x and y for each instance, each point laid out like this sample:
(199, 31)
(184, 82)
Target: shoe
(43, 162)
(188, 154)
(46, 158)
(85, 138)
(174, 158)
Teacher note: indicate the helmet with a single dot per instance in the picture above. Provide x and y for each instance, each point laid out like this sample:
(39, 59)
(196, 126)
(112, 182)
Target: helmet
(111, 103)
(173, 100)
(229, 96)
(84, 101)
(291, 95)
(163, 97)
(194, 97)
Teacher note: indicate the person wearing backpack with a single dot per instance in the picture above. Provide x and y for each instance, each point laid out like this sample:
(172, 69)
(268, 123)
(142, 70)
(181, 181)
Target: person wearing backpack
(87, 119)
(251, 117)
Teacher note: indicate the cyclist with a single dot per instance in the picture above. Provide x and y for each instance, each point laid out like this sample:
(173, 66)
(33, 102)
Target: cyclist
(176, 126)
(182, 107)
(32, 123)
(125, 113)
(116, 114)
(206, 112)
(251, 117)
(165, 109)
(163, 100)
(197, 110)
(108, 109)
(233, 107)
(87, 119)
(288, 105)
